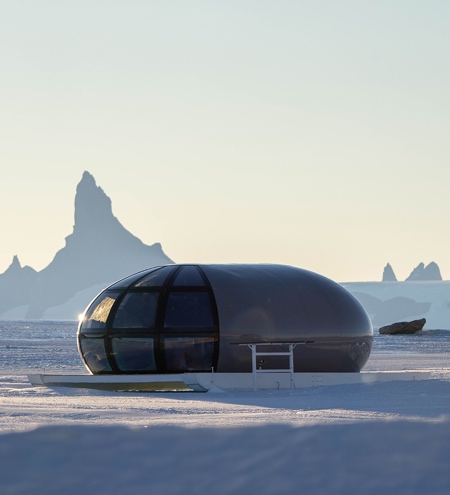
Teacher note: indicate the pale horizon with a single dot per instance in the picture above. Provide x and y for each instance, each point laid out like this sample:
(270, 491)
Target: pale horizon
(311, 134)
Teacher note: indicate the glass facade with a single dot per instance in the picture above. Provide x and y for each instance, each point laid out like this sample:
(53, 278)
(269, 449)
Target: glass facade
(192, 318)
(163, 320)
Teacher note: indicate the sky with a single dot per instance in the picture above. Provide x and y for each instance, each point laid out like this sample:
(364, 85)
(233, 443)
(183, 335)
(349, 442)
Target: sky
(307, 133)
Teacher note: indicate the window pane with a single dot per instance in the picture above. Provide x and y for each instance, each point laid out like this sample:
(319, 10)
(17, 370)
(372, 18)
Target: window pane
(134, 354)
(126, 282)
(93, 351)
(98, 312)
(156, 278)
(189, 353)
(137, 310)
(188, 310)
(188, 275)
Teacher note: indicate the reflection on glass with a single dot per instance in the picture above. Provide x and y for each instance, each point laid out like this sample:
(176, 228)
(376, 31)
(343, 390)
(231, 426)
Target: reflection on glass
(156, 278)
(127, 281)
(93, 350)
(134, 354)
(137, 310)
(188, 275)
(188, 310)
(99, 311)
(189, 353)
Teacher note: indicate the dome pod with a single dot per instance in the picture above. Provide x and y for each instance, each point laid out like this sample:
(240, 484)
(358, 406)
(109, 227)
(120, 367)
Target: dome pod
(195, 318)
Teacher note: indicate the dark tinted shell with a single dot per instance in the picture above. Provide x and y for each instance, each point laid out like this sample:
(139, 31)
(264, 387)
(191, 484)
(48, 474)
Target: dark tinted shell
(180, 318)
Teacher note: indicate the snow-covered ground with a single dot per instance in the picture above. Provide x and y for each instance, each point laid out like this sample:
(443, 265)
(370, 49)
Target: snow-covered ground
(389, 438)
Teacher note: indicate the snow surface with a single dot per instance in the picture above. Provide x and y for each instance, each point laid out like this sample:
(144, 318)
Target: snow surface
(384, 438)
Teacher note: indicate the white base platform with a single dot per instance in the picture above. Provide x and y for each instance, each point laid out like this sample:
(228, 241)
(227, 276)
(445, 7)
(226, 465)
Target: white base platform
(202, 382)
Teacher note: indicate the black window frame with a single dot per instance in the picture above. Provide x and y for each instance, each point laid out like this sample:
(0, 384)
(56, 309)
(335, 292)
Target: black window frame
(158, 331)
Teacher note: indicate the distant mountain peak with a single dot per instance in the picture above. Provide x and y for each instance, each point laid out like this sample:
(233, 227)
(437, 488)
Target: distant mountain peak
(92, 205)
(432, 272)
(425, 273)
(388, 274)
(15, 262)
(98, 252)
(14, 267)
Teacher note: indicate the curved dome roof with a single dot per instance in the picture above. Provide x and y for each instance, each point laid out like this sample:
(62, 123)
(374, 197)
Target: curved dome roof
(193, 317)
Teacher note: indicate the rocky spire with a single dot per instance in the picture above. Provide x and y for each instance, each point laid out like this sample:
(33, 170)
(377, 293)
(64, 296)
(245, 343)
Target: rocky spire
(14, 267)
(425, 273)
(15, 264)
(99, 251)
(92, 205)
(388, 274)
(432, 272)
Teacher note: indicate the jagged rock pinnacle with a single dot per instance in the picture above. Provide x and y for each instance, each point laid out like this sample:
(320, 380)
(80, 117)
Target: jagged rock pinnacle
(416, 274)
(425, 273)
(92, 205)
(15, 262)
(99, 251)
(388, 274)
(432, 272)
(14, 267)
